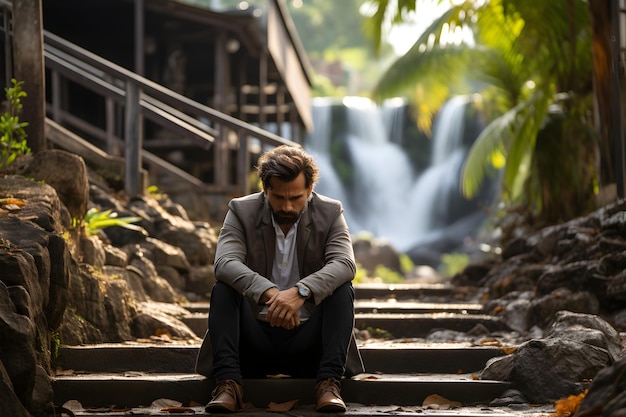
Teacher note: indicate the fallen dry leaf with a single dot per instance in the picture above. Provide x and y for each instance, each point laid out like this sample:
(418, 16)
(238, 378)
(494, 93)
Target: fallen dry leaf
(490, 342)
(279, 376)
(437, 402)
(565, 407)
(498, 309)
(12, 201)
(165, 403)
(282, 407)
(509, 349)
(178, 410)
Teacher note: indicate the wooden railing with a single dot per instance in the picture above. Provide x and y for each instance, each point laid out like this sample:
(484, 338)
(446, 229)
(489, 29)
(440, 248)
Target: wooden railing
(142, 98)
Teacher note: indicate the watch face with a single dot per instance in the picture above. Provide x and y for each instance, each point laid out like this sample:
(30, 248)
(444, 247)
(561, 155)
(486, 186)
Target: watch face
(303, 290)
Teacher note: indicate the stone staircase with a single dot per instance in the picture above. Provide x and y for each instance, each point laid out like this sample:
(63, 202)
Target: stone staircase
(127, 379)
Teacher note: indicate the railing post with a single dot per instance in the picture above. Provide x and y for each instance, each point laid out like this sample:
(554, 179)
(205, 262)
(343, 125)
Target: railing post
(243, 163)
(55, 87)
(133, 139)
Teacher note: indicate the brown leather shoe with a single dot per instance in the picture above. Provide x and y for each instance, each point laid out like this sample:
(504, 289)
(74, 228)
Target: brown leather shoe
(227, 397)
(328, 398)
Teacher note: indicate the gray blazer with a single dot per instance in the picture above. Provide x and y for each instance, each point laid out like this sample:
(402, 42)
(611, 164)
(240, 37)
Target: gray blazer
(246, 250)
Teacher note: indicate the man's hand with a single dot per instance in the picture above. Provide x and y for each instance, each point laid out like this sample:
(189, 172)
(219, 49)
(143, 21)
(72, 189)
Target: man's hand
(284, 308)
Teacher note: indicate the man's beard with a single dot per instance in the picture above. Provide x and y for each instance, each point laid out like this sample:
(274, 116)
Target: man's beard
(285, 218)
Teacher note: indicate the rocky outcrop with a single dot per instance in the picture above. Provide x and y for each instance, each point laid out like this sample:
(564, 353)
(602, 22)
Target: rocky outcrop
(575, 349)
(576, 266)
(34, 288)
(60, 285)
(562, 288)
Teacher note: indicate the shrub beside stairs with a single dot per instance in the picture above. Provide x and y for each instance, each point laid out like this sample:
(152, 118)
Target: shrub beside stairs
(138, 378)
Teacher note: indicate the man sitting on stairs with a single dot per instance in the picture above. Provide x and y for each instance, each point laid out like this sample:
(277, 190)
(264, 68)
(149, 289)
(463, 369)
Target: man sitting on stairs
(283, 302)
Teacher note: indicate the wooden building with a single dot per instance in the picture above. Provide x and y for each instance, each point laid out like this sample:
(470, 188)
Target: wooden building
(247, 63)
(193, 92)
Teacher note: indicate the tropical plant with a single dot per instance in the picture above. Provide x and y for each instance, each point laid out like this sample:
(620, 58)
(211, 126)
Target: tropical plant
(531, 62)
(95, 220)
(13, 141)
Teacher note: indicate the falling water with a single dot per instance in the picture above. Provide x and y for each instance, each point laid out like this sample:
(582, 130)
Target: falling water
(386, 197)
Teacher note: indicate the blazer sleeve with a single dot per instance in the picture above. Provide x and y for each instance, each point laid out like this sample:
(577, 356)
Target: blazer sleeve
(230, 261)
(339, 263)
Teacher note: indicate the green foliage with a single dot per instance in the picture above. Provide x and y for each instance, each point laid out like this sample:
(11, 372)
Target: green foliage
(361, 275)
(382, 274)
(523, 58)
(332, 34)
(378, 333)
(13, 141)
(153, 189)
(453, 263)
(55, 346)
(388, 276)
(329, 25)
(95, 220)
(406, 263)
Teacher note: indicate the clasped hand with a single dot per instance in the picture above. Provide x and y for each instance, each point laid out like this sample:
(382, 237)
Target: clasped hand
(284, 307)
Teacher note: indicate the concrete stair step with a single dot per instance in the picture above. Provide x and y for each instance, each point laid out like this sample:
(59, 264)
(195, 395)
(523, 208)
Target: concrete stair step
(380, 306)
(307, 410)
(397, 324)
(401, 372)
(423, 292)
(135, 389)
(386, 357)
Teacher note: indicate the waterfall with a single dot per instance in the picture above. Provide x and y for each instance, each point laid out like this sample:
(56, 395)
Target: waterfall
(382, 192)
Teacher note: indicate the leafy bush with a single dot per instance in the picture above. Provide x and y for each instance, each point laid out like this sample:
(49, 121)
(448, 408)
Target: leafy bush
(453, 263)
(13, 141)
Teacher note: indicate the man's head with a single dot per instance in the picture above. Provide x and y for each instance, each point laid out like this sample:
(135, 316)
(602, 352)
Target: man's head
(287, 174)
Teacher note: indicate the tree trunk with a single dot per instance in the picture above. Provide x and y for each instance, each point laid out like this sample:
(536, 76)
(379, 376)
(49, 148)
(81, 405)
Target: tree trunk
(602, 82)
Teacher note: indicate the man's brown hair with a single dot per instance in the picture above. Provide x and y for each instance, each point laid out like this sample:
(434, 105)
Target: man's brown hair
(286, 163)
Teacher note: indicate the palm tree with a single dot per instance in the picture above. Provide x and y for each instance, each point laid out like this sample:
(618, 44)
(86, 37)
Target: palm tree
(532, 63)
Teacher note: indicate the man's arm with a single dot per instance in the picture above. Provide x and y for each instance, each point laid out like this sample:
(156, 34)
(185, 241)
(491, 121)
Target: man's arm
(339, 266)
(230, 257)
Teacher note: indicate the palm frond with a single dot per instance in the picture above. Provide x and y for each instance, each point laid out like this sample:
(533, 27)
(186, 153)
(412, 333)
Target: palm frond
(518, 128)
(373, 26)
(385, 16)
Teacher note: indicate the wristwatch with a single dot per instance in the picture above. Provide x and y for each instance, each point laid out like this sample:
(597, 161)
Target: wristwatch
(303, 290)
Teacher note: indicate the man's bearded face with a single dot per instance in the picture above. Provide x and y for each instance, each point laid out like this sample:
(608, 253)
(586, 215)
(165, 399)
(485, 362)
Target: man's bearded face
(287, 199)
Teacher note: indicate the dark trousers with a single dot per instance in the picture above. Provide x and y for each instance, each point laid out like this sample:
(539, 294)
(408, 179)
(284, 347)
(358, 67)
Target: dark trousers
(246, 347)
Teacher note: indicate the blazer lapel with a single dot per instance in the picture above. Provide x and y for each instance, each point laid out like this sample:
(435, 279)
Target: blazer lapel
(269, 238)
(302, 238)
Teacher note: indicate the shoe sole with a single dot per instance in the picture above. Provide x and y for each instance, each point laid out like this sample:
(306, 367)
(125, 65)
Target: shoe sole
(331, 408)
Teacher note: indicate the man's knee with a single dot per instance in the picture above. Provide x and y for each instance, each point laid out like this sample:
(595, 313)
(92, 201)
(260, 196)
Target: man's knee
(343, 294)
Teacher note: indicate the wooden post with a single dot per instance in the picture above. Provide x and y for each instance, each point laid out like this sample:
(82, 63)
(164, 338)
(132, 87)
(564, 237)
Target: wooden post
(29, 68)
(263, 65)
(139, 37)
(132, 142)
(8, 54)
(221, 157)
